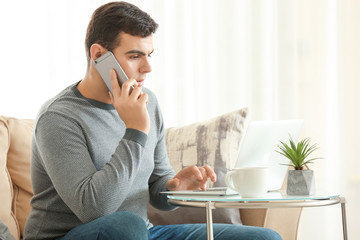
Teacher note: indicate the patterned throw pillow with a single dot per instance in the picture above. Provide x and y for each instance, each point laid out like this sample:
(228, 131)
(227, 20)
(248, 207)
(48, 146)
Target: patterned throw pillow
(214, 142)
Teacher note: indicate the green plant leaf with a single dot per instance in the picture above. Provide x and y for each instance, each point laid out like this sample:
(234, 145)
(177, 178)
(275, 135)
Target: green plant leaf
(297, 153)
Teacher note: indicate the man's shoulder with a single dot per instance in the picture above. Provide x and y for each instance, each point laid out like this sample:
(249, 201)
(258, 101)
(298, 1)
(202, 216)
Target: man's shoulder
(58, 97)
(61, 103)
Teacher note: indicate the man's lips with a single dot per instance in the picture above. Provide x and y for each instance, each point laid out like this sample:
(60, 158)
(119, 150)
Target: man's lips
(141, 82)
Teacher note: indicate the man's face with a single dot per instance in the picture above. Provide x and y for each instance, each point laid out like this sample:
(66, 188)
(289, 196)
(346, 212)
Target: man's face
(133, 55)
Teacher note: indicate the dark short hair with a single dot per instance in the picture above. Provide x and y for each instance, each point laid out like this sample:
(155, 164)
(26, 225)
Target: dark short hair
(112, 18)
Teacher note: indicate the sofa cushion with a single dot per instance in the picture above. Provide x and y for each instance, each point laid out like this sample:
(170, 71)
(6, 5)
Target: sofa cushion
(18, 165)
(6, 213)
(5, 234)
(214, 142)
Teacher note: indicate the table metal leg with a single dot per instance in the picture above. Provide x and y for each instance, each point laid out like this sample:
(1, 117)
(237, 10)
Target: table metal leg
(209, 221)
(343, 212)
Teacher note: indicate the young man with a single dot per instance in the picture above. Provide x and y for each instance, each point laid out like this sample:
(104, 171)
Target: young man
(98, 158)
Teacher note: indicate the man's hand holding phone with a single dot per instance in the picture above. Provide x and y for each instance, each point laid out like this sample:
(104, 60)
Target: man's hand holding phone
(130, 107)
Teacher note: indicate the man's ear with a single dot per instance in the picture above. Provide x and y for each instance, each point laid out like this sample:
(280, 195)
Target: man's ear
(96, 51)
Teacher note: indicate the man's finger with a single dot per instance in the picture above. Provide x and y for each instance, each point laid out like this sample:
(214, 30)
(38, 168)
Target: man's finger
(210, 173)
(136, 93)
(203, 172)
(203, 183)
(125, 88)
(196, 171)
(144, 98)
(172, 184)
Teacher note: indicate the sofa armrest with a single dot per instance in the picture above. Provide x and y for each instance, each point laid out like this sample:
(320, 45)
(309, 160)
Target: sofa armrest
(253, 217)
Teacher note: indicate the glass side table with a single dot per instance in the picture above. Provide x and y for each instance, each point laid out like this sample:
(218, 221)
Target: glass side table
(270, 200)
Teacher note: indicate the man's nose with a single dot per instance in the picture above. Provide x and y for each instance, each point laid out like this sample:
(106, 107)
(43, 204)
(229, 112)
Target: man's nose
(146, 66)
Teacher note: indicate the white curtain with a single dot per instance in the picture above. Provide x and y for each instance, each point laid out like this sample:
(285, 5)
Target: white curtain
(283, 59)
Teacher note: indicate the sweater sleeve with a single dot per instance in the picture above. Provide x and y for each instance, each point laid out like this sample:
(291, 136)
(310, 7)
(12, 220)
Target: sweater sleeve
(87, 192)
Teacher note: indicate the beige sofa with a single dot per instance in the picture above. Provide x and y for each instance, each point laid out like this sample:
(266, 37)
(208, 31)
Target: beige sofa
(199, 143)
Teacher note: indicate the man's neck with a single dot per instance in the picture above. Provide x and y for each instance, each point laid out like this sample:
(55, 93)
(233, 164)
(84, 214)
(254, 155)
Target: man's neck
(93, 87)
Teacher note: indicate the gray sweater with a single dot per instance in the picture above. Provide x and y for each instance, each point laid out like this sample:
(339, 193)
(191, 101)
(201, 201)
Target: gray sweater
(85, 164)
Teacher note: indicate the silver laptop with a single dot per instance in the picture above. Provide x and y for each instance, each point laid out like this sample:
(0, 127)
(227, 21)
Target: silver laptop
(257, 149)
(259, 144)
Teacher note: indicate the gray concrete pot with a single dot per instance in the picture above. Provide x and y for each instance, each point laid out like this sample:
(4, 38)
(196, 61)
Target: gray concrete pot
(300, 182)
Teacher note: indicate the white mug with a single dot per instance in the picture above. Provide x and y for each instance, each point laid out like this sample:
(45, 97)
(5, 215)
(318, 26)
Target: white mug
(248, 182)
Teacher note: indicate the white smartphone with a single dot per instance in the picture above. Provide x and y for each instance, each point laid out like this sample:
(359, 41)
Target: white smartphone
(103, 65)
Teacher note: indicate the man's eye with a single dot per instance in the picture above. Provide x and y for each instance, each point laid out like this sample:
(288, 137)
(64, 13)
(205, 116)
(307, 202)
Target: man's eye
(134, 56)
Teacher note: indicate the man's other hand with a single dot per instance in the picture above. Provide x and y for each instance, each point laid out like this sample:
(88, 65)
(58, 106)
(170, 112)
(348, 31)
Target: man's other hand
(191, 178)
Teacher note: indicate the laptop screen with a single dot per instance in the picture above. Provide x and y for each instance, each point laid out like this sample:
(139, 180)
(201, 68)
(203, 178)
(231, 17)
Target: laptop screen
(259, 145)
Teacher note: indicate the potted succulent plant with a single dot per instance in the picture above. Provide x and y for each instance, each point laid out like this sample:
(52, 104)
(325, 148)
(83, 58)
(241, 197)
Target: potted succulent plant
(301, 180)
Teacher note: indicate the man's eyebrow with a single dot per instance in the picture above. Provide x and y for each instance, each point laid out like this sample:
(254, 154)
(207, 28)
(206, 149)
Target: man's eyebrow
(138, 52)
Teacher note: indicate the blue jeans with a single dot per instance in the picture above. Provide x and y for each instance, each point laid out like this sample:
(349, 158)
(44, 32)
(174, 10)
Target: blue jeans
(127, 225)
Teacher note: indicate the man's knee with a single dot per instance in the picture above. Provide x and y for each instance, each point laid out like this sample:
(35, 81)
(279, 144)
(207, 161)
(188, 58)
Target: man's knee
(230, 231)
(122, 224)
(268, 234)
